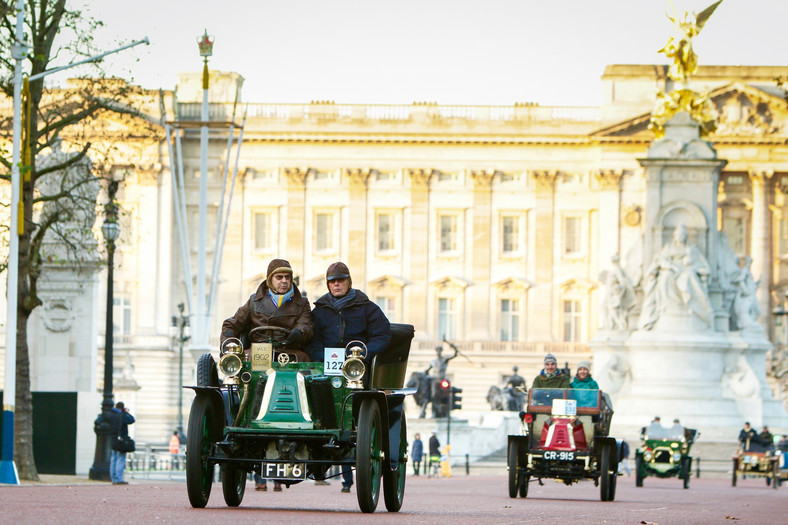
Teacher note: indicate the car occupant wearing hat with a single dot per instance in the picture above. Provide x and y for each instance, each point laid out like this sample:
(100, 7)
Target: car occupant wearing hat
(551, 376)
(343, 315)
(275, 303)
(583, 377)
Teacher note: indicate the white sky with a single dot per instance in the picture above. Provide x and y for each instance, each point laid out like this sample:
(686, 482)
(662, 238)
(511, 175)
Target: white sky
(449, 51)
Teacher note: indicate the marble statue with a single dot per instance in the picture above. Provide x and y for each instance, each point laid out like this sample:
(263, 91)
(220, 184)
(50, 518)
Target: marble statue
(619, 296)
(745, 304)
(676, 282)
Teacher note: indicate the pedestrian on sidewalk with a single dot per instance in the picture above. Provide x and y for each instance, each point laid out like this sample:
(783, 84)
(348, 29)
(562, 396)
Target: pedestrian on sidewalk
(416, 451)
(623, 466)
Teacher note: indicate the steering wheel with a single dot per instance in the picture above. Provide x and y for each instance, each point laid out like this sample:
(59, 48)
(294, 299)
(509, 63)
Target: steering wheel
(275, 333)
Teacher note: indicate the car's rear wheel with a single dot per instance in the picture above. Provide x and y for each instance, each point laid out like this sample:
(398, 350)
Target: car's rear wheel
(604, 474)
(233, 485)
(524, 481)
(368, 461)
(611, 490)
(207, 374)
(514, 475)
(639, 471)
(199, 469)
(394, 482)
(686, 468)
(735, 469)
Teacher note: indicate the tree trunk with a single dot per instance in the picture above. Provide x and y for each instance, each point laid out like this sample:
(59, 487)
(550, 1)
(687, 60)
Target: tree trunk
(23, 425)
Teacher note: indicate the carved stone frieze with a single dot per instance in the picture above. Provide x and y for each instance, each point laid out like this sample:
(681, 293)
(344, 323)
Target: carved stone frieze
(359, 176)
(545, 179)
(745, 114)
(296, 176)
(58, 315)
(609, 180)
(420, 177)
(483, 179)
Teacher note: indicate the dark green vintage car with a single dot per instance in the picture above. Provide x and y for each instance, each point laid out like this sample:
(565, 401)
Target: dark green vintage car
(664, 453)
(292, 421)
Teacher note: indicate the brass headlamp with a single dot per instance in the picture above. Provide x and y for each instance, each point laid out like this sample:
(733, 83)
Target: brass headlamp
(354, 367)
(231, 364)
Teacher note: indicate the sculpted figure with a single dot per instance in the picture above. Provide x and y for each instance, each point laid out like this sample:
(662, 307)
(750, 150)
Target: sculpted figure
(745, 304)
(619, 296)
(676, 282)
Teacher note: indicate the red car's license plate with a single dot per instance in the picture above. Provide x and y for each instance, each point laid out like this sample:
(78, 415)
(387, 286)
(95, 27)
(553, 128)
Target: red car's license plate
(283, 471)
(555, 455)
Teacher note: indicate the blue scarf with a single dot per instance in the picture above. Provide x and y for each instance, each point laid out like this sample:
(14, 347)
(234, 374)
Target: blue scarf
(339, 302)
(279, 300)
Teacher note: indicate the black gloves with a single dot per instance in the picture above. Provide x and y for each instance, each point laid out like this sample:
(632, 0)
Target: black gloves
(294, 337)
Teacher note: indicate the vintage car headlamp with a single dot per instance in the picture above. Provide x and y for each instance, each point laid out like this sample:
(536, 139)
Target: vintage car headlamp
(647, 455)
(676, 456)
(354, 367)
(230, 365)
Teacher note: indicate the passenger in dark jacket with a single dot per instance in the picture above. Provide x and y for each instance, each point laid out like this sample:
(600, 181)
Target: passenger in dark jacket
(344, 315)
(550, 376)
(277, 302)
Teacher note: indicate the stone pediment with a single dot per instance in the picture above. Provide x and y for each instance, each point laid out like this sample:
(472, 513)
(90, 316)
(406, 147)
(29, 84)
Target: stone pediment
(745, 111)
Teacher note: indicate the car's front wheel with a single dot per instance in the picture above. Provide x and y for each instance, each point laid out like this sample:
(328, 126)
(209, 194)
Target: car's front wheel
(735, 469)
(639, 471)
(686, 468)
(199, 469)
(604, 474)
(368, 460)
(513, 470)
(233, 485)
(394, 481)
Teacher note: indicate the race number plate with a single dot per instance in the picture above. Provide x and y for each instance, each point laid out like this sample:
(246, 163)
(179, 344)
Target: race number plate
(333, 359)
(283, 471)
(262, 353)
(555, 455)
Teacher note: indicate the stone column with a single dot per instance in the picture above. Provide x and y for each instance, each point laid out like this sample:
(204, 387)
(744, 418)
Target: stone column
(609, 213)
(480, 273)
(760, 247)
(541, 299)
(415, 307)
(296, 208)
(357, 227)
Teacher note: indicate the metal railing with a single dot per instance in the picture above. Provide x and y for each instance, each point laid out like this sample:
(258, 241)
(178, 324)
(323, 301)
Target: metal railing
(155, 461)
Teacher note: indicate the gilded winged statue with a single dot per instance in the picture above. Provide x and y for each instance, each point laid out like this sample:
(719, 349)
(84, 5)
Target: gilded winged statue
(679, 47)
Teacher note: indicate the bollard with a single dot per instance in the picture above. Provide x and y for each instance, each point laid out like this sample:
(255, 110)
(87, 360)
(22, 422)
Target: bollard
(697, 471)
(467, 465)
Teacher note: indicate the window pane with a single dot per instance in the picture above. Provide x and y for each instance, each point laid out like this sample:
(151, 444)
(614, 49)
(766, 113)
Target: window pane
(510, 234)
(734, 229)
(448, 225)
(262, 231)
(446, 318)
(385, 232)
(572, 235)
(510, 320)
(387, 305)
(323, 227)
(572, 321)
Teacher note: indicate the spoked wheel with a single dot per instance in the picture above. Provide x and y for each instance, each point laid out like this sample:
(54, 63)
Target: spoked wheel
(514, 471)
(394, 482)
(199, 469)
(233, 485)
(206, 371)
(604, 474)
(368, 460)
(639, 471)
(686, 468)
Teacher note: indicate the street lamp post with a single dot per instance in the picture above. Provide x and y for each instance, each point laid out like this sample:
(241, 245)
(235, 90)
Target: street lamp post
(180, 324)
(111, 230)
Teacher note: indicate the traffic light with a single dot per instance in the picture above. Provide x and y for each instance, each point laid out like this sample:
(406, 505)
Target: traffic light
(456, 398)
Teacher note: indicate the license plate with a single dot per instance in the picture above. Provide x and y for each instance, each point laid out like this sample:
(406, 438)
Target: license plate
(555, 455)
(283, 471)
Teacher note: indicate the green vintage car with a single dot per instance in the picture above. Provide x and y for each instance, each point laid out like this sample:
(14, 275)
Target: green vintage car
(292, 421)
(664, 453)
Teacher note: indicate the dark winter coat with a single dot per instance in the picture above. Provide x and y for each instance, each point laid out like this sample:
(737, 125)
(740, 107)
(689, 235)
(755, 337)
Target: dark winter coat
(560, 380)
(118, 422)
(417, 450)
(434, 446)
(358, 320)
(260, 310)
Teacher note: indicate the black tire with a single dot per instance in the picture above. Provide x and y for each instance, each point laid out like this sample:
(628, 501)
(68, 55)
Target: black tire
(604, 474)
(735, 468)
(233, 485)
(514, 471)
(202, 434)
(611, 490)
(368, 462)
(639, 471)
(394, 482)
(524, 481)
(207, 374)
(686, 468)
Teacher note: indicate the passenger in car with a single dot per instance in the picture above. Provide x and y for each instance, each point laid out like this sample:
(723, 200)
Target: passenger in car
(551, 376)
(583, 379)
(277, 302)
(343, 315)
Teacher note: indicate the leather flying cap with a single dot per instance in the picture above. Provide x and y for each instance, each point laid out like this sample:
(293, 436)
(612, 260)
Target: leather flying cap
(337, 270)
